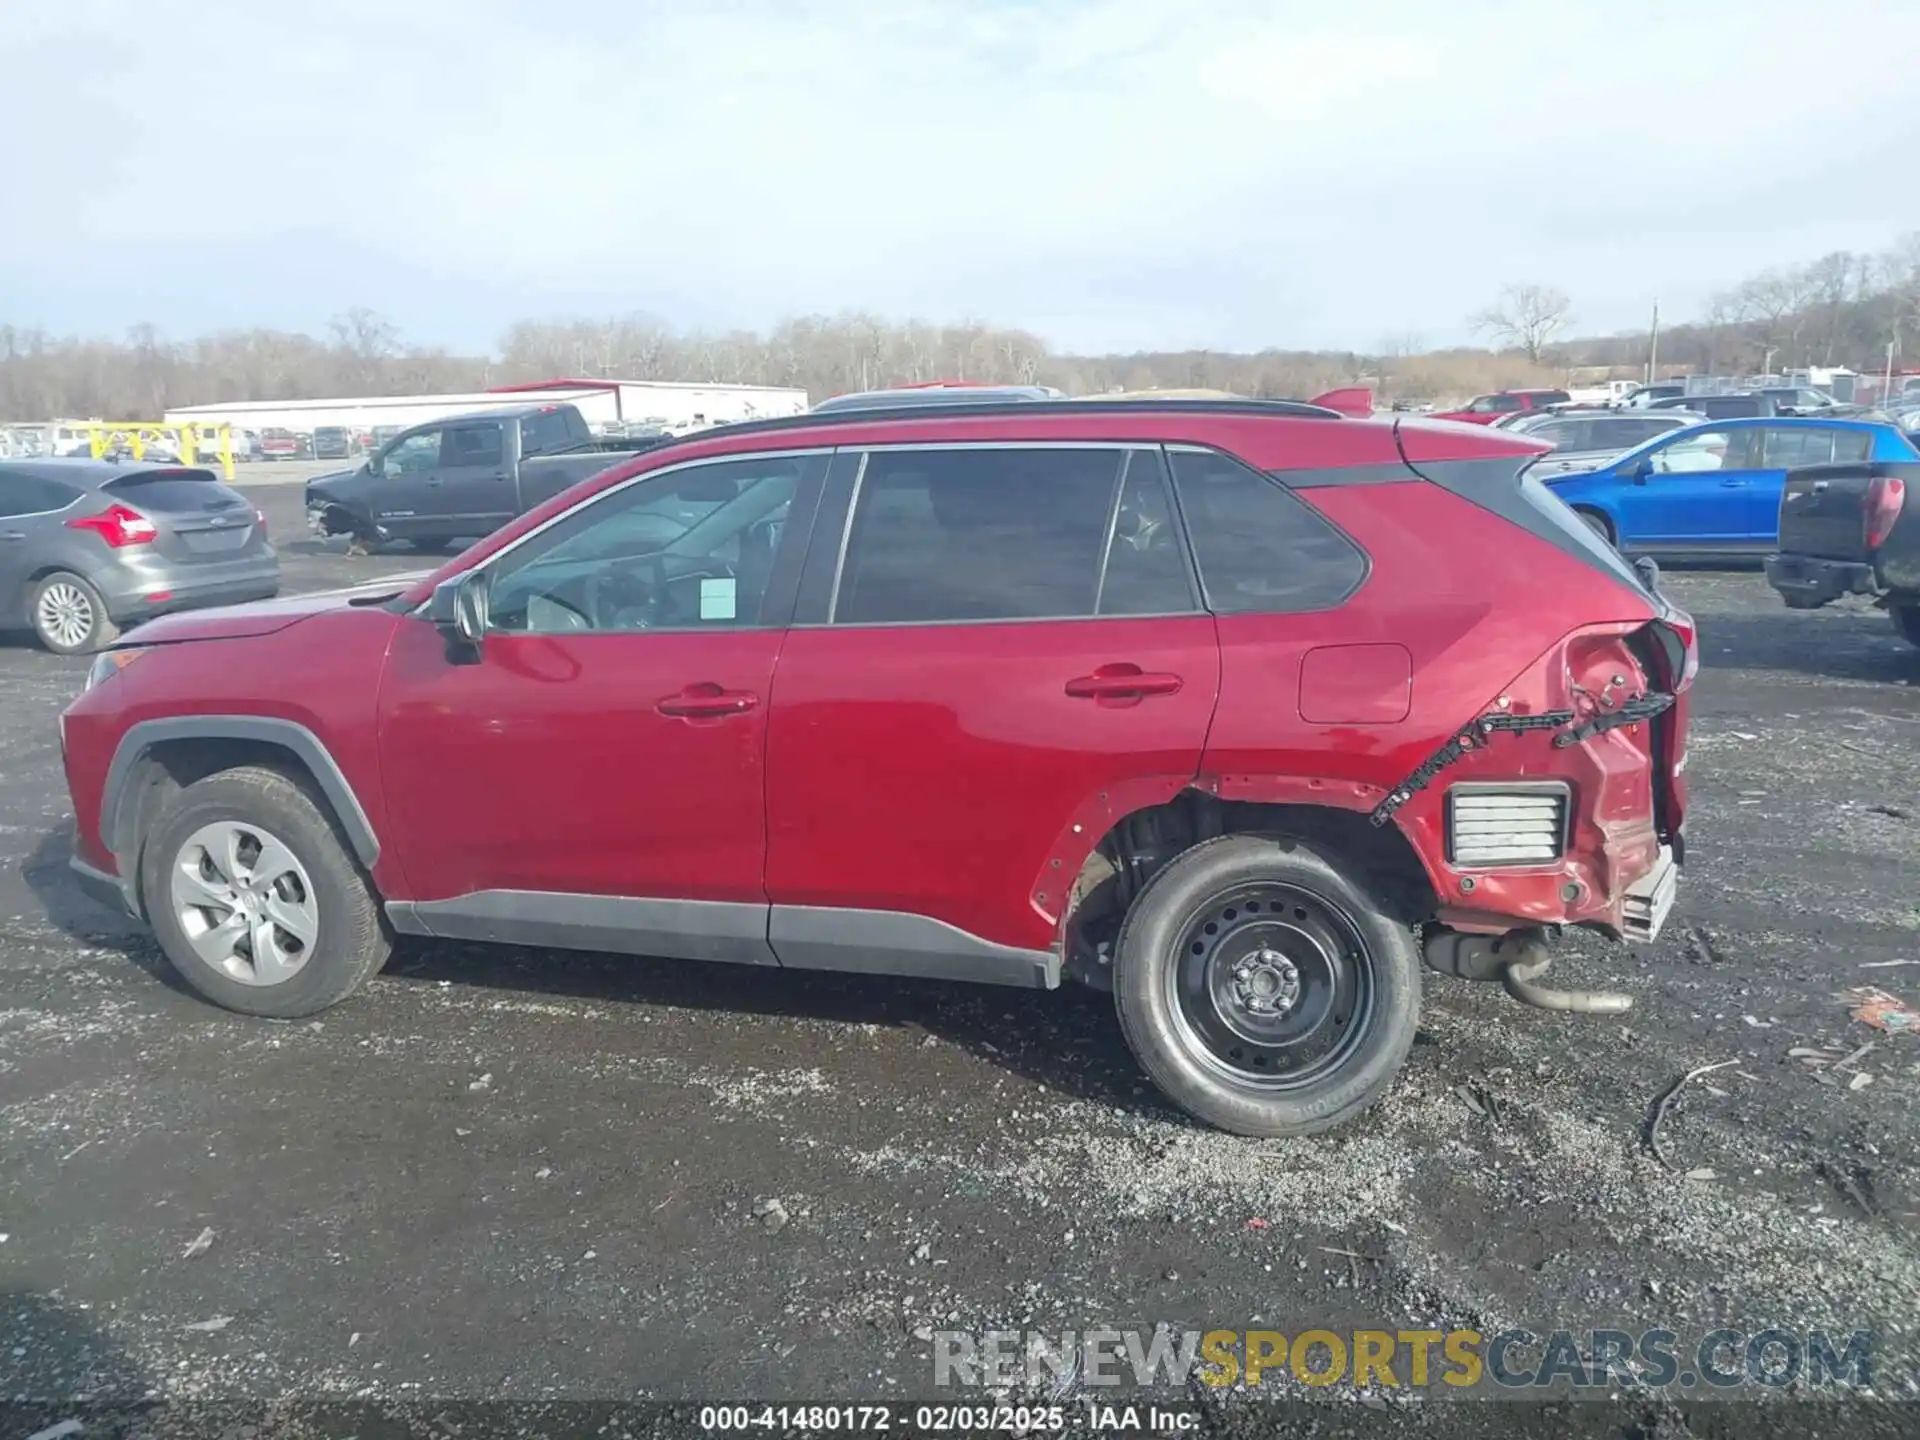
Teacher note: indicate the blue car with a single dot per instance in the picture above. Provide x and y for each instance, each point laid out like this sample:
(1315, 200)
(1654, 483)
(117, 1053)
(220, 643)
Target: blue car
(1713, 490)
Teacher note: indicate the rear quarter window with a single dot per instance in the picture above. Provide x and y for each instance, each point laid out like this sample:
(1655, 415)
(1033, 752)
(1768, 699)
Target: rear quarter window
(1260, 548)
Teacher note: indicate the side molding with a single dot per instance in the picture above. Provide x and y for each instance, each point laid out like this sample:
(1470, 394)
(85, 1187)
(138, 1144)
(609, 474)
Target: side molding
(260, 729)
(891, 942)
(680, 929)
(797, 937)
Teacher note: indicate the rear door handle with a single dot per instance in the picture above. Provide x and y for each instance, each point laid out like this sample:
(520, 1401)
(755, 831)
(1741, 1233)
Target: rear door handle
(1122, 682)
(706, 701)
(1732, 484)
(13, 534)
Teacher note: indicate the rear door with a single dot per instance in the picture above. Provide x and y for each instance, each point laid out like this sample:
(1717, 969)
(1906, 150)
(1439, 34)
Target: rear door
(406, 496)
(997, 647)
(28, 504)
(473, 489)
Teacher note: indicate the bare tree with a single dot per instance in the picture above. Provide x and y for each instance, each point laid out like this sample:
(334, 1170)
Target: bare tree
(1525, 318)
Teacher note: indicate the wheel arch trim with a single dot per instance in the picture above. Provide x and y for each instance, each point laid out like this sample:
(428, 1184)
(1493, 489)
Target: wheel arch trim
(141, 738)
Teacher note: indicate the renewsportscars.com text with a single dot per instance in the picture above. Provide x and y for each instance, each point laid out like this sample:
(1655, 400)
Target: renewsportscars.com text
(1459, 1359)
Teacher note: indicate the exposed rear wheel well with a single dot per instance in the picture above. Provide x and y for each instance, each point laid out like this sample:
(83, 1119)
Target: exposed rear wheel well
(1141, 844)
(167, 767)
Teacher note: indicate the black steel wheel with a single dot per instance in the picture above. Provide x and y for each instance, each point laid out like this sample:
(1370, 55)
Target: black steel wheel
(1274, 985)
(1265, 988)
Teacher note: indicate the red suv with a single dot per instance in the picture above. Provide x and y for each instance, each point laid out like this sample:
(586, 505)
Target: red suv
(1239, 709)
(1485, 409)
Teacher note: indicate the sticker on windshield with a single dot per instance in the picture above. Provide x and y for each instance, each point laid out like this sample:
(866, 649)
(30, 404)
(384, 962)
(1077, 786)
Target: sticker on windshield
(716, 599)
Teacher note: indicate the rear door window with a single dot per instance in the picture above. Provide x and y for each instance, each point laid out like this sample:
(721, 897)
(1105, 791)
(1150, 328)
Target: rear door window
(1259, 547)
(1563, 434)
(1790, 447)
(31, 495)
(989, 533)
(1852, 447)
(548, 433)
(471, 446)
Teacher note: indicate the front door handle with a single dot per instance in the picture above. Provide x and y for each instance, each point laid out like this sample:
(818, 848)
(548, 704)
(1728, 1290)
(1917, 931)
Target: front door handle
(1122, 682)
(1732, 484)
(706, 701)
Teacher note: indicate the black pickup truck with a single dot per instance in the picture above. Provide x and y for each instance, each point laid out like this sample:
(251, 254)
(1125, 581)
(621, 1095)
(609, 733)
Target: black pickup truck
(461, 477)
(1852, 530)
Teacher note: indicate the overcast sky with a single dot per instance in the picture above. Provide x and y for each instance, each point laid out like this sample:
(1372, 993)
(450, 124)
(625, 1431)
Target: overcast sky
(1115, 174)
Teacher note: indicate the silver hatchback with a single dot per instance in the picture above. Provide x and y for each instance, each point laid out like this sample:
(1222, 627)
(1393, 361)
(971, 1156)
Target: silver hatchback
(88, 547)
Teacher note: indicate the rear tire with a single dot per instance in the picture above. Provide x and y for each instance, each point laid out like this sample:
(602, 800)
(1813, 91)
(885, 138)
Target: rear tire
(69, 616)
(1597, 523)
(1265, 990)
(1906, 619)
(299, 928)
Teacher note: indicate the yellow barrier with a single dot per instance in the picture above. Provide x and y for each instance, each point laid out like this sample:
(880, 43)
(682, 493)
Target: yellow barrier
(190, 440)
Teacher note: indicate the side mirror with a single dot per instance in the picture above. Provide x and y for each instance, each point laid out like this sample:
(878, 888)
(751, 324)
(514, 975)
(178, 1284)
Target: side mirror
(458, 607)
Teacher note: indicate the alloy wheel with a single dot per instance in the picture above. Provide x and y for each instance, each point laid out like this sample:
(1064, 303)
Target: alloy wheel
(245, 902)
(64, 614)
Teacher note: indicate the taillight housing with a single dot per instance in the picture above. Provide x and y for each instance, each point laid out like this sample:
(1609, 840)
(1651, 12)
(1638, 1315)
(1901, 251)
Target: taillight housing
(1679, 644)
(118, 525)
(1885, 496)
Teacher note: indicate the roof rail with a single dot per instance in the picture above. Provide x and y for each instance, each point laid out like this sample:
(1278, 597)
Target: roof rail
(933, 414)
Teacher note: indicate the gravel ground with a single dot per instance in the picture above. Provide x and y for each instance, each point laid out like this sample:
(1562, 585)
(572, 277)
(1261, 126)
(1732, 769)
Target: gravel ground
(537, 1177)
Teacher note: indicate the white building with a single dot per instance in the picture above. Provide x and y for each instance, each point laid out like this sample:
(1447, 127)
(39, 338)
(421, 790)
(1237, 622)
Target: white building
(603, 403)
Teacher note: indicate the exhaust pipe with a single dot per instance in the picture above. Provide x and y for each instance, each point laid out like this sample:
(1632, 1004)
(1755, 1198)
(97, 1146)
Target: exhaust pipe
(1517, 960)
(1518, 976)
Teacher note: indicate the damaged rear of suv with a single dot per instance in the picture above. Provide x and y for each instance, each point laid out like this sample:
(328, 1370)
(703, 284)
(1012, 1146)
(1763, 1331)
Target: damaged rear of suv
(1247, 712)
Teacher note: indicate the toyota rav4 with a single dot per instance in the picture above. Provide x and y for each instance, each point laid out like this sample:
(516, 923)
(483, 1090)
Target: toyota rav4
(1244, 711)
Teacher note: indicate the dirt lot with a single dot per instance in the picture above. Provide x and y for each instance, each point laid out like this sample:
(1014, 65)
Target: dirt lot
(536, 1176)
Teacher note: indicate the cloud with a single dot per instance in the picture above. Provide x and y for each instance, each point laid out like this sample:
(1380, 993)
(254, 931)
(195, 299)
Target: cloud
(1122, 173)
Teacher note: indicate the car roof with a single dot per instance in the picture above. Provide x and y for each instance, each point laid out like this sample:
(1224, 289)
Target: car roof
(92, 474)
(917, 396)
(1851, 422)
(923, 414)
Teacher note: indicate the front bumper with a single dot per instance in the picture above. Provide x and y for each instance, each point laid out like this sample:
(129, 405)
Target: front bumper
(1807, 582)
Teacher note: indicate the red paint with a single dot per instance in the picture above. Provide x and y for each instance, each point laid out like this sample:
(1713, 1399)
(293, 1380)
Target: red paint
(963, 771)
(1529, 400)
(1354, 400)
(595, 764)
(929, 768)
(1356, 685)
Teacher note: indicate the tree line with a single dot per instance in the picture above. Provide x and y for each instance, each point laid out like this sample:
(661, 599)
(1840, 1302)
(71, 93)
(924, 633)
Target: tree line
(1844, 308)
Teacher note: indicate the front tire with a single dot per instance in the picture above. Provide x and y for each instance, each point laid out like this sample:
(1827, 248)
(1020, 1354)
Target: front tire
(256, 899)
(1264, 989)
(69, 616)
(1906, 619)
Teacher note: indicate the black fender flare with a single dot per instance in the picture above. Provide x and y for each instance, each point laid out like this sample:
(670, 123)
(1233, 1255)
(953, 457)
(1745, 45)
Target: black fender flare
(288, 735)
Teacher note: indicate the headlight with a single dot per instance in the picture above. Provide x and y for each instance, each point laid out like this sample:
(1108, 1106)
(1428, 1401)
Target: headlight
(109, 663)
